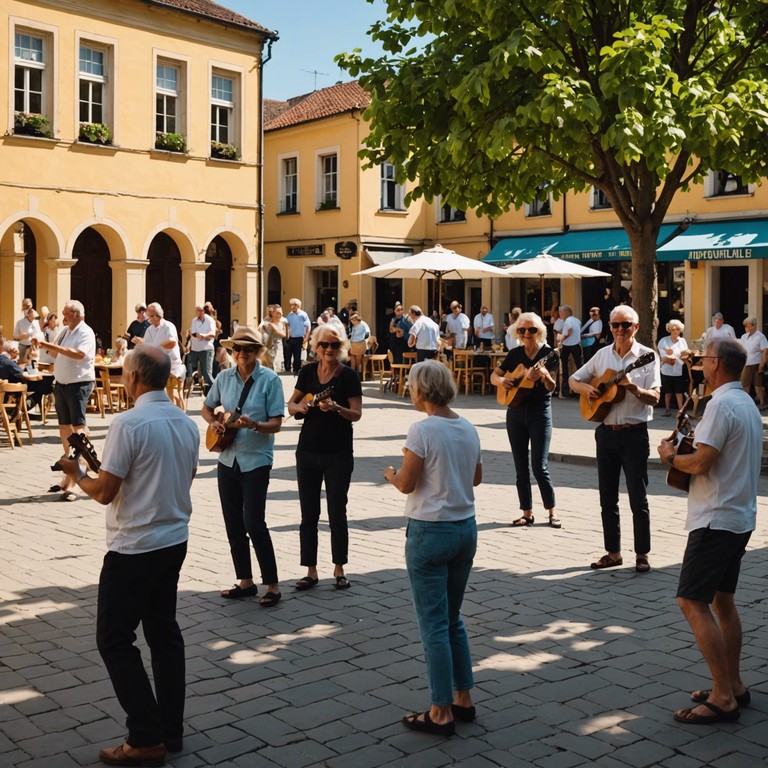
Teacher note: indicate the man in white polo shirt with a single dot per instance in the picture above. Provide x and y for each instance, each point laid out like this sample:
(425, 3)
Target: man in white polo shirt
(484, 328)
(163, 333)
(202, 332)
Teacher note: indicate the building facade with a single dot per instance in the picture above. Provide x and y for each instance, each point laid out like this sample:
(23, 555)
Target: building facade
(130, 161)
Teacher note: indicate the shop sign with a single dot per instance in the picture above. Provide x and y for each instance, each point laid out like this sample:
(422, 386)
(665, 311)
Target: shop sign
(306, 250)
(345, 250)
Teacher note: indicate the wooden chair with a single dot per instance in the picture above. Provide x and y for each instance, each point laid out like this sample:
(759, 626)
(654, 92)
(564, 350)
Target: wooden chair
(378, 368)
(113, 390)
(372, 344)
(14, 411)
(174, 387)
(398, 373)
(467, 372)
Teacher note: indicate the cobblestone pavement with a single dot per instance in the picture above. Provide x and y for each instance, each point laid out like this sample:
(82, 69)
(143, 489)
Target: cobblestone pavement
(573, 667)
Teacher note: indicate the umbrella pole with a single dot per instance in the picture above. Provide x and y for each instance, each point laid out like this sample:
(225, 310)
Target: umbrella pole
(543, 308)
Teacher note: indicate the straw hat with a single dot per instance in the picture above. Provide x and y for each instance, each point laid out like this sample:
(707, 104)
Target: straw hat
(244, 336)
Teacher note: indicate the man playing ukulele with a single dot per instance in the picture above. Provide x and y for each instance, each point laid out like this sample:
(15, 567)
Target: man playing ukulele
(622, 438)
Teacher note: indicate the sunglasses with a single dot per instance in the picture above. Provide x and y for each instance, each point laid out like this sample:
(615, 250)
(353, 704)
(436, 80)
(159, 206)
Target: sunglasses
(241, 348)
(331, 344)
(523, 331)
(624, 324)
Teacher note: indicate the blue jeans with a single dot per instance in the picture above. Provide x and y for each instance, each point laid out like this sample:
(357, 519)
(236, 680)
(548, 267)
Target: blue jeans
(202, 361)
(439, 556)
(531, 424)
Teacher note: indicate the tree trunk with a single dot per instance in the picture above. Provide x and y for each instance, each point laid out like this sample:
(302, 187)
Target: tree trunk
(644, 283)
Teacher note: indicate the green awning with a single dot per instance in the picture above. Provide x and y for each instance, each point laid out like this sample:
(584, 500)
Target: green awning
(579, 245)
(718, 241)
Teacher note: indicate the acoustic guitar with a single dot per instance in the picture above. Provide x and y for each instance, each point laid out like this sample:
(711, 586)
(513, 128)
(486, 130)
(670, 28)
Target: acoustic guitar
(597, 408)
(521, 384)
(218, 441)
(80, 445)
(313, 400)
(683, 436)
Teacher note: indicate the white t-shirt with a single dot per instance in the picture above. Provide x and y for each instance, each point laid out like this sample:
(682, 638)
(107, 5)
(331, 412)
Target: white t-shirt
(725, 497)
(154, 449)
(427, 333)
(572, 324)
(725, 331)
(458, 325)
(484, 325)
(69, 371)
(166, 331)
(668, 348)
(754, 346)
(450, 449)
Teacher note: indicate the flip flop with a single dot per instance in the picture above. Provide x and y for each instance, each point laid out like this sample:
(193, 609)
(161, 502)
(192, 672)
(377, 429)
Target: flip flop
(720, 716)
(302, 585)
(270, 599)
(427, 725)
(743, 700)
(237, 592)
(342, 582)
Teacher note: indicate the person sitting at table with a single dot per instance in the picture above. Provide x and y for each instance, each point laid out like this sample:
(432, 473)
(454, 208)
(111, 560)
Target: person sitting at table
(119, 353)
(13, 373)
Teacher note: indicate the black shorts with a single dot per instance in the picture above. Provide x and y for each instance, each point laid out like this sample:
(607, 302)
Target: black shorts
(711, 564)
(71, 401)
(673, 385)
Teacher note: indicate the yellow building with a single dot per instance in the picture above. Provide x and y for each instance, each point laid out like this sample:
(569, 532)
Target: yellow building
(326, 217)
(130, 161)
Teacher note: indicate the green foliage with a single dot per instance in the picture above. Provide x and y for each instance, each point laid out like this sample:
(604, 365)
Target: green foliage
(31, 124)
(95, 133)
(224, 151)
(173, 142)
(484, 101)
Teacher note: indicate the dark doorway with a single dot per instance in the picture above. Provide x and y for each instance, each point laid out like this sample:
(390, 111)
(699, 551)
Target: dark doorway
(91, 284)
(388, 291)
(218, 282)
(734, 298)
(30, 268)
(275, 287)
(164, 277)
(326, 292)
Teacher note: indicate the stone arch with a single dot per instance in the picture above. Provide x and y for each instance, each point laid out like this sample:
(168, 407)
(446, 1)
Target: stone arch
(91, 281)
(274, 286)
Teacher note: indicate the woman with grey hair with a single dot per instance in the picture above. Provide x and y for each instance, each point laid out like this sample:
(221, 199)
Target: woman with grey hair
(528, 374)
(441, 466)
(671, 349)
(329, 398)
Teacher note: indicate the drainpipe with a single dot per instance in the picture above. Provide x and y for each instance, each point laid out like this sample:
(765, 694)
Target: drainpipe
(260, 182)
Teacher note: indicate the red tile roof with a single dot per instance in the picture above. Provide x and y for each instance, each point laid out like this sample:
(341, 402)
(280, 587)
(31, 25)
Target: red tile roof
(336, 100)
(210, 10)
(274, 108)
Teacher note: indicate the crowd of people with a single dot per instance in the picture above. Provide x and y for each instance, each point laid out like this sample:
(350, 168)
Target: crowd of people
(244, 407)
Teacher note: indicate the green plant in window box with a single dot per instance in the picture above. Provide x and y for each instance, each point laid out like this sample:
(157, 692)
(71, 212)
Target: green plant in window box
(95, 133)
(224, 151)
(328, 204)
(31, 124)
(173, 142)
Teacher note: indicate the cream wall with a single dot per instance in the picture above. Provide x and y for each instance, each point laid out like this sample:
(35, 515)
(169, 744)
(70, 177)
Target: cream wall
(129, 191)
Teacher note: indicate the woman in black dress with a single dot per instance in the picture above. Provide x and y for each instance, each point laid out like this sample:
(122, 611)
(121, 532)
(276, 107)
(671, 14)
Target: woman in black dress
(324, 452)
(529, 414)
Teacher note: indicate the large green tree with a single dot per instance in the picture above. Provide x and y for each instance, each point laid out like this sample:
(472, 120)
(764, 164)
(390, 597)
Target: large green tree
(482, 101)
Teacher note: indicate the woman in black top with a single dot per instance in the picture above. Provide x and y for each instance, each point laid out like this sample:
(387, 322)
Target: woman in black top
(530, 421)
(324, 452)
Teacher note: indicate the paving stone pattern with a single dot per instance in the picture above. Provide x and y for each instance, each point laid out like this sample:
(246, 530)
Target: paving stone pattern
(573, 667)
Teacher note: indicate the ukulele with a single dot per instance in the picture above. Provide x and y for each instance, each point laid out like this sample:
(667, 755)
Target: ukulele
(80, 445)
(596, 408)
(683, 436)
(313, 400)
(521, 384)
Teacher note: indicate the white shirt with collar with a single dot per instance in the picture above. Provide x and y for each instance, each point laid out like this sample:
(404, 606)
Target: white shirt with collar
(67, 370)
(754, 346)
(629, 410)
(166, 331)
(484, 326)
(206, 325)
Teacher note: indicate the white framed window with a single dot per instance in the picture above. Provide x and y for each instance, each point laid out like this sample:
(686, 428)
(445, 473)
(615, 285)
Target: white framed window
(599, 201)
(288, 175)
(93, 68)
(29, 73)
(327, 179)
(392, 193)
(447, 214)
(222, 109)
(168, 97)
(725, 184)
(542, 204)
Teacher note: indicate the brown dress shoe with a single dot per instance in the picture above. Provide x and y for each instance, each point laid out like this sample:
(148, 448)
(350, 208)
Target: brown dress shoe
(125, 754)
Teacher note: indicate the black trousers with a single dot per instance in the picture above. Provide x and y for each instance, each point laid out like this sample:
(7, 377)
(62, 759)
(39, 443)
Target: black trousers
(141, 589)
(566, 353)
(243, 498)
(292, 352)
(336, 470)
(626, 451)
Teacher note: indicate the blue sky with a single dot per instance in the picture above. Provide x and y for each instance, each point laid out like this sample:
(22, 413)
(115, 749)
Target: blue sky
(311, 32)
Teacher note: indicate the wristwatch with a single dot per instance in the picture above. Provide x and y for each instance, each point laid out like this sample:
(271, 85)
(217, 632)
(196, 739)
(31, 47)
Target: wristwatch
(671, 459)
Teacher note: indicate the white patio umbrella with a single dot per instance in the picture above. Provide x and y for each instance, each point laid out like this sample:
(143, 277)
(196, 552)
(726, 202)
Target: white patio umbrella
(545, 265)
(435, 263)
